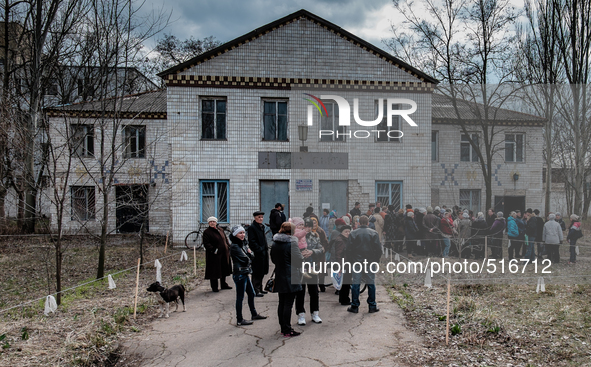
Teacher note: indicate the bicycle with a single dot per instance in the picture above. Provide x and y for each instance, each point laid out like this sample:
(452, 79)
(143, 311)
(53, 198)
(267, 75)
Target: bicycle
(195, 238)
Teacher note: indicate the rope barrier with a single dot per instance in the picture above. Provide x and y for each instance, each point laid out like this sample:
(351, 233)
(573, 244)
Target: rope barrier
(83, 284)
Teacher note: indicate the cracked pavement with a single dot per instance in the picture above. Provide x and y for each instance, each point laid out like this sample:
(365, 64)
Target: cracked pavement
(207, 335)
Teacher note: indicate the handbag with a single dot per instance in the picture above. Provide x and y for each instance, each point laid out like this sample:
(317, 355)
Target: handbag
(270, 286)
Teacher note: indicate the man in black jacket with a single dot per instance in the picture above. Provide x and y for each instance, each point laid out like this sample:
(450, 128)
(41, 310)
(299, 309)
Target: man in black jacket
(364, 247)
(276, 218)
(356, 211)
(539, 233)
(257, 241)
(531, 229)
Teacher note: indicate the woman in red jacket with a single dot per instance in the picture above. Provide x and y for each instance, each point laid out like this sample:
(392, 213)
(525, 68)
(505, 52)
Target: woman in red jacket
(446, 228)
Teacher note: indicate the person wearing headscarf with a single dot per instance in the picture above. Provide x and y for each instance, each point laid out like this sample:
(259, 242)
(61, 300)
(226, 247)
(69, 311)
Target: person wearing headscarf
(574, 233)
(242, 259)
(464, 233)
(340, 248)
(411, 231)
(217, 255)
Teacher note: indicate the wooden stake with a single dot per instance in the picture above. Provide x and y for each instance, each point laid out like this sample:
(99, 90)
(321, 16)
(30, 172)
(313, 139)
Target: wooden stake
(447, 317)
(137, 284)
(166, 243)
(194, 261)
(486, 247)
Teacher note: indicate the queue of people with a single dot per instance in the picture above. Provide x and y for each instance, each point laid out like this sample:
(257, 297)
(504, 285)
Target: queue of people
(358, 236)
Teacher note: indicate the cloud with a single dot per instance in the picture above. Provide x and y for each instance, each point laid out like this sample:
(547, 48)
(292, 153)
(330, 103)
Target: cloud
(229, 19)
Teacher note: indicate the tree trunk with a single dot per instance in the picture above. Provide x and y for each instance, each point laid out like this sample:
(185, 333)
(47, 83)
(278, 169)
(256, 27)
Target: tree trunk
(105, 223)
(58, 269)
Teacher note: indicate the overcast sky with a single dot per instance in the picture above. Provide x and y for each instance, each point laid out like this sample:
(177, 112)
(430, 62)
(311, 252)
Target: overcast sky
(229, 19)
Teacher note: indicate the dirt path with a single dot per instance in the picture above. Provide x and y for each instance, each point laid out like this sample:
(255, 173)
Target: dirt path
(206, 335)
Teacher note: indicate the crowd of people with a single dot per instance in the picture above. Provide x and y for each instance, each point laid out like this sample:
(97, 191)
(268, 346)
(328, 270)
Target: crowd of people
(358, 236)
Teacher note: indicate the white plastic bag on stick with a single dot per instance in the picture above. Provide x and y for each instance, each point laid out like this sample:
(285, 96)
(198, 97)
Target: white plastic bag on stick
(428, 279)
(184, 256)
(577, 250)
(111, 282)
(50, 305)
(158, 272)
(541, 286)
(397, 257)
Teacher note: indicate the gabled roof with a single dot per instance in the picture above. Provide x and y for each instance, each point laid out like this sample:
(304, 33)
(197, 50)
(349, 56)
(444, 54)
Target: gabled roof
(443, 112)
(287, 19)
(150, 104)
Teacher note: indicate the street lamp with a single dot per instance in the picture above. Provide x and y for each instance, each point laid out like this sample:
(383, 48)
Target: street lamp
(515, 176)
(303, 134)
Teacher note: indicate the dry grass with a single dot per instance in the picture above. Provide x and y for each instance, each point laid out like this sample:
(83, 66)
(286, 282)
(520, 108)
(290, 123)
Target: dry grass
(502, 322)
(87, 326)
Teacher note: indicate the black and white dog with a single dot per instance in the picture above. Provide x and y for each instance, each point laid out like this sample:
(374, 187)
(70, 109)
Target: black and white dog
(171, 294)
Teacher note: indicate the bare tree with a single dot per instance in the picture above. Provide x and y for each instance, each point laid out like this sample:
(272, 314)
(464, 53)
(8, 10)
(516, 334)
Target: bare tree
(539, 66)
(466, 44)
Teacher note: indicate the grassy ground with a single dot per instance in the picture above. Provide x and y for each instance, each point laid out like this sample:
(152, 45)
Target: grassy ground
(87, 326)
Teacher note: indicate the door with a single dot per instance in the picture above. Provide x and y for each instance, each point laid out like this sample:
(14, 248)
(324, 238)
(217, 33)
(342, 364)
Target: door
(132, 208)
(514, 203)
(273, 192)
(334, 194)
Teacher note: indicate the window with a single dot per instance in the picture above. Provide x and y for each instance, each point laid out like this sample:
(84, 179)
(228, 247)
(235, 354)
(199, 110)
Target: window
(385, 132)
(83, 205)
(214, 200)
(275, 120)
(331, 123)
(467, 152)
(52, 87)
(389, 193)
(213, 119)
(83, 140)
(85, 88)
(470, 199)
(434, 146)
(513, 147)
(135, 141)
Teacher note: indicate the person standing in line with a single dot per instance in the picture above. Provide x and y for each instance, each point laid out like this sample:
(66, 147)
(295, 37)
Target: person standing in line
(324, 221)
(574, 233)
(464, 233)
(257, 241)
(411, 231)
(496, 232)
(379, 223)
(513, 235)
(276, 218)
(431, 224)
(241, 270)
(287, 258)
(521, 245)
(339, 248)
(539, 234)
(217, 255)
(552, 238)
(447, 231)
(312, 254)
(479, 229)
(364, 245)
(356, 211)
(371, 210)
(560, 221)
(531, 229)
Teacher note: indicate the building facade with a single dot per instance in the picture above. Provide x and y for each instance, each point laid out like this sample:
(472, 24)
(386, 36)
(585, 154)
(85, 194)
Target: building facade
(304, 113)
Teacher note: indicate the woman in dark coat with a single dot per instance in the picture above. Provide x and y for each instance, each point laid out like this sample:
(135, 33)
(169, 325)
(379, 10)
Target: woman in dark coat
(340, 247)
(217, 255)
(287, 258)
(412, 231)
(241, 260)
(257, 241)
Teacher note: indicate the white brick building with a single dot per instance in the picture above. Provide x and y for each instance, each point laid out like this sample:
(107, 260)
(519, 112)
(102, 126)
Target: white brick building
(232, 118)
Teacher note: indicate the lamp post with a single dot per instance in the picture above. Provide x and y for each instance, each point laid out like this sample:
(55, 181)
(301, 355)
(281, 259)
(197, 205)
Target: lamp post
(303, 135)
